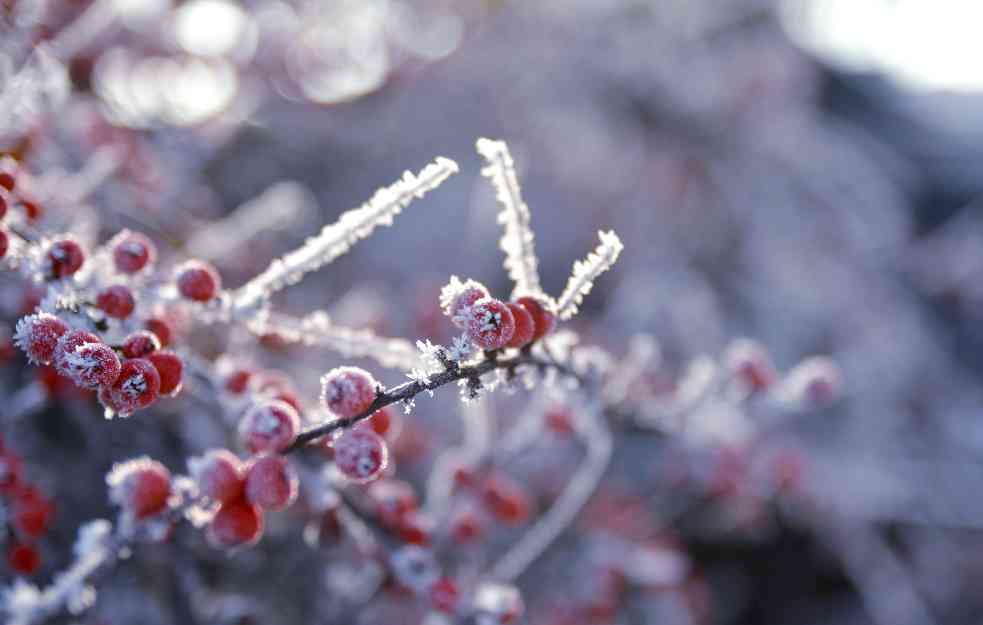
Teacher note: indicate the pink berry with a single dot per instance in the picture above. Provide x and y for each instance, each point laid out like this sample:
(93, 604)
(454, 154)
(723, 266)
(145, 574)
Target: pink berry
(139, 344)
(170, 368)
(381, 422)
(543, 318)
(198, 281)
(270, 482)
(465, 526)
(63, 258)
(160, 327)
(237, 381)
(37, 335)
(458, 297)
(137, 386)
(269, 426)
(361, 455)
(347, 391)
(491, 325)
(219, 474)
(141, 487)
(525, 327)
(444, 596)
(24, 559)
(750, 364)
(393, 499)
(506, 499)
(92, 365)
(67, 345)
(4, 240)
(132, 252)
(116, 301)
(237, 523)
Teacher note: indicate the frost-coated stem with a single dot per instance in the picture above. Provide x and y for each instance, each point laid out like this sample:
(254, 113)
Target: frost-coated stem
(518, 240)
(564, 511)
(586, 271)
(337, 238)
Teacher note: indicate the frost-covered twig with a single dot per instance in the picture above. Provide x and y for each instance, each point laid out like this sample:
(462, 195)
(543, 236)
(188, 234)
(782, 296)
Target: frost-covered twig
(586, 271)
(337, 238)
(517, 241)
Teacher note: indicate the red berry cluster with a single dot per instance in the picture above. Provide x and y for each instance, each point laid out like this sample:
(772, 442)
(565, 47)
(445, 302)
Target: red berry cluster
(28, 513)
(492, 324)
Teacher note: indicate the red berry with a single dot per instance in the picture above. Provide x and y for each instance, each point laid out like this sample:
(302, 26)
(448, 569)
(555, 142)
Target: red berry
(347, 391)
(491, 324)
(66, 347)
(116, 301)
(269, 426)
(444, 596)
(361, 455)
(63, 258)
(415, 529)
(9, 171)
(32, 513)
(137, 386)
(559, 419)
(543, 318)
(219, 474)
(270, 482)
(92, 365)
(237, 523)
(161, 328)
(198, 280)
(132, 252)
(24, 559)
(505, 499)
(380, 422)
(10, 472)
(465, 526)
(140, 486)
(38, 336)
(237, 382)
(4, 239)
(32, 208)
(139, 344)
(393, 499)
(458, 297)
(170, 368)
(525, 327)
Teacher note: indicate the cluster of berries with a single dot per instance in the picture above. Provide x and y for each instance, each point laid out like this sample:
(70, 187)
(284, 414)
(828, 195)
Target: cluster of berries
(25, 513)
(492, 324)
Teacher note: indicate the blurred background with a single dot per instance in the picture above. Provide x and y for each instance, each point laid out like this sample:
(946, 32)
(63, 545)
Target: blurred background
(806, 173)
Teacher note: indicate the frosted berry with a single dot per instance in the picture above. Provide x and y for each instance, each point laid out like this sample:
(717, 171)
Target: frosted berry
(140, 487)
(415, 528)
(116, 301)
(445, 595)
(269, 426)
(92, 365)
(347, 391)
(750, 365)
(525, 327)
(4, 240)
(361, 455)
(24, 559)
(491, 324)
(37, 335)
(219, 474)
(170, 368)
(63, 258)
(132, 252)
(198, 281)
(816, 381)
(543, 318)
(505, 499)
(458, 297)
(237, 523)
(67, 345)
(270, 482)
(137, 386)
(139, 344)
(160, 327)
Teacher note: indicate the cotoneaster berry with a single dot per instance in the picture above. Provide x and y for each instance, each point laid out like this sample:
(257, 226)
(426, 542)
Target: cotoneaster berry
(491, 324)
(457, 298)
(543, 317)
(139, 344)
(140, 487)
(116, 301)
(198, 281)
(750, 365)
(67, 345)
(92, 365)
(505, 499)
(269, 426)
(237, 523)
(361, 455)
(4, 240)
(270, 482)
(133, 251)
(37, 335)
(160, 327)
(170, 368)
(347, 391)
(525, 327)
(219, 474)
(445, 596)
(24, 559)
(64, 258)
(137, 386)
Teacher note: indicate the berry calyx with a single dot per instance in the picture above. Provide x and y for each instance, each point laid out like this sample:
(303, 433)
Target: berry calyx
(198, 281)
(269, 426)
(347, 391)
(491, 324)
(270, 482)
(116, 301)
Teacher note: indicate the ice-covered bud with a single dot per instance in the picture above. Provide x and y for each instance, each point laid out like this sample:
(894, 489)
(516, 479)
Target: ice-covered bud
(525, 327)
(63, 258)
(161, 328)
(37, 335)
(132, 252)
(445, 595)
(497, 604)
(750, 364)
(67, 345)
(271, 482)
(198, 281)
(457, 298)
(269, 426)
(361, 455)
(237, 523)
(92, 365)
(170, 368)
(137, 386)
(816, 381)
(347, 391)
(491, 324)
(393, 500)
(140, 487)
(543, 317)
(505, 499)
(116, 301)
(219, 474)
(415, 567)
(139, 344)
